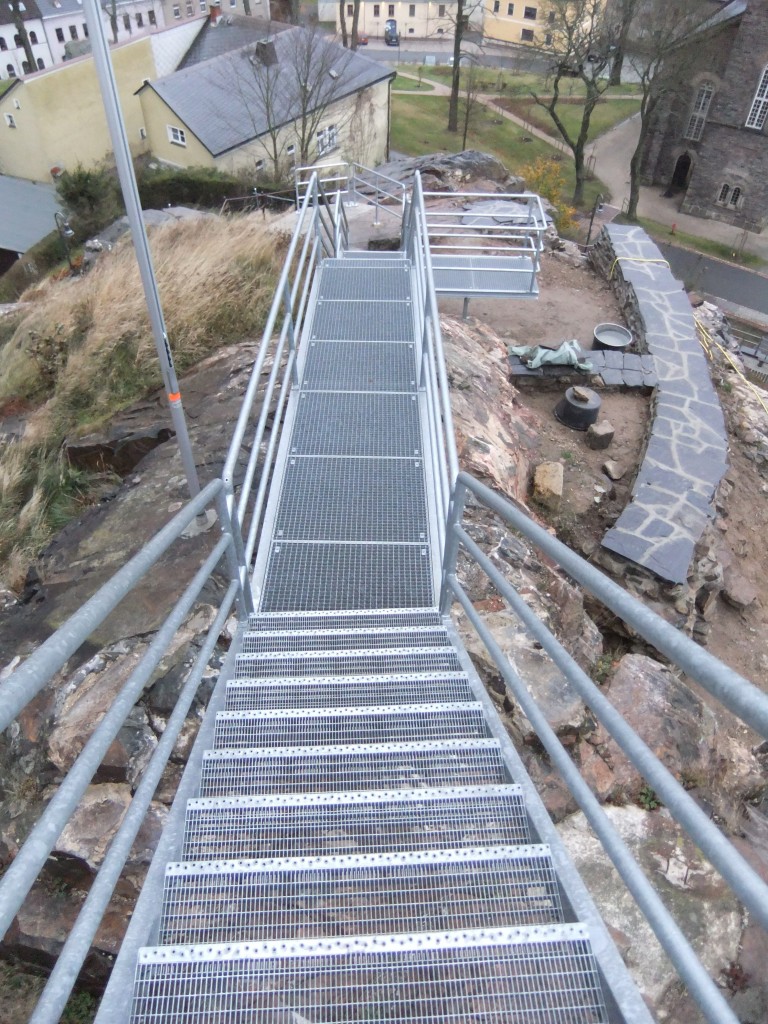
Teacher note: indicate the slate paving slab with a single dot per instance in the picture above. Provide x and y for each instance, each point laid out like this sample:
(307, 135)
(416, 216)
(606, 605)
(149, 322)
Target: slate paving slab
(687, 453)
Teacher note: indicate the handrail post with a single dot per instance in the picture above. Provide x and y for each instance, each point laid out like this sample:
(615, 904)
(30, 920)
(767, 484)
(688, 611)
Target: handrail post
(452, 543)
(291, 331)
(235, 554)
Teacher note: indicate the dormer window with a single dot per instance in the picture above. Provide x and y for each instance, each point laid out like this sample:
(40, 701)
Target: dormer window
(758, 112)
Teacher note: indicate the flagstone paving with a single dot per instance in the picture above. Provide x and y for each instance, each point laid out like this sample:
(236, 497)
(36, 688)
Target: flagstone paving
(687, 450)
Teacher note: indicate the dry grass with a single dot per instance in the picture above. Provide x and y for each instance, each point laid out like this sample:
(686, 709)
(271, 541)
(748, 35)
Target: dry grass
(85, 349)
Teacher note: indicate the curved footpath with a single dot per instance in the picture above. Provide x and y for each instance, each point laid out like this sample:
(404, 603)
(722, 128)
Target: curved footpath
(686, 456)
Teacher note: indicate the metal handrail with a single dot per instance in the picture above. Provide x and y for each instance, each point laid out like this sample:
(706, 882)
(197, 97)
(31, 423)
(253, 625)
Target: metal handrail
(731, 689)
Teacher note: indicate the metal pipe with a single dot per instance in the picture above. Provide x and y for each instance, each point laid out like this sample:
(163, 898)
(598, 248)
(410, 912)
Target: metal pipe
(125, 172)
(238, 570)
(25, 868)
(744, 881)
(78, 943)
(699, 984)
(27, 681)
(731, 689)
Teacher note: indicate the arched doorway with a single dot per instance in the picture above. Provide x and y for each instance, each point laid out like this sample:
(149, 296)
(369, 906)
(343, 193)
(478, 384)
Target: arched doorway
(681, 175)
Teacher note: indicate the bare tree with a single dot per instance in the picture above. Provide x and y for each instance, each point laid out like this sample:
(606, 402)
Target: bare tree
(349, 38)
(665, 47)
(470, 98)
(17, 17)
(619, 15)
(460, 23)
(580, 48)
(284, 86)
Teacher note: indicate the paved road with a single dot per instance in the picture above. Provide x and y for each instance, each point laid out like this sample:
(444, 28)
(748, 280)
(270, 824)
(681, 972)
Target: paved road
(713, 277)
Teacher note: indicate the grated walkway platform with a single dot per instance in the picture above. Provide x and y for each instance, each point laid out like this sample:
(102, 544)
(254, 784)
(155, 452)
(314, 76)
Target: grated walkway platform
(359, 849)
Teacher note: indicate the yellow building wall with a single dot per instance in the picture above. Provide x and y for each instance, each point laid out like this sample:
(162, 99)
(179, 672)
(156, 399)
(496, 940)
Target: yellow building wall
(361, 121)
(425, 22)
(60, 119)
(499, 25)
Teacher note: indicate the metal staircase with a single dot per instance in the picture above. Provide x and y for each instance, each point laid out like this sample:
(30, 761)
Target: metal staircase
(358, 850)
(355, 837)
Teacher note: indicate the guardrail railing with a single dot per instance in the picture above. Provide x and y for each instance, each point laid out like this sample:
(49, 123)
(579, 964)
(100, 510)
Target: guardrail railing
(315, 235)
(516, 230)
(356, 182)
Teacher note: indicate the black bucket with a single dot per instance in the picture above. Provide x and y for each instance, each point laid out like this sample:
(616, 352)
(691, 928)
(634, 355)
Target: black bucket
(578, 408)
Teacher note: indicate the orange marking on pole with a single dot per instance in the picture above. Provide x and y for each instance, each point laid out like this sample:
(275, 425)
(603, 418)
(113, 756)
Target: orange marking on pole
(175, 397)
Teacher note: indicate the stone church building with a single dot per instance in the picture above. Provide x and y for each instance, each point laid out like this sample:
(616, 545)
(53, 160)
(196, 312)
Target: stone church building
(709, 139)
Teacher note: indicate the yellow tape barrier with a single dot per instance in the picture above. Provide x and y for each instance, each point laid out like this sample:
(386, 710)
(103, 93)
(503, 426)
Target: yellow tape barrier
(635, 259)
(707, 341)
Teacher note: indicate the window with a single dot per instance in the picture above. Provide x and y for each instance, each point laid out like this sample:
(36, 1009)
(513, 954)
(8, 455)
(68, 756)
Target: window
(735, 199)
(290, 150)
(350, 10)
(10, 120)
(73, 31)
(177, 135)
(411, 31)
(377, 10)
(3, 44)
(176, 11)
(11, 70)
(510, 9)
(441, 10)
(758, 112)
(551, 17)
(233, 3)
(17, 40)
(203, 6)
(40, 64)
(25, 67)
(526, 34)
(411, 10)
(139, 20)
(60, 34)
(530, 13)
(85, 30)
(722, 195)
(127, 22)
(259, 165)
(548, 39)
(190, 10)
(142, 133)
(327, 139)
(698, 116)
(33, 38)
(152, 18)
(391, 9)
(496, 6)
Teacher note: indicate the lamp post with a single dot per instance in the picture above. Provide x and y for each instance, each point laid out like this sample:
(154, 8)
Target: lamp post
(65, 233)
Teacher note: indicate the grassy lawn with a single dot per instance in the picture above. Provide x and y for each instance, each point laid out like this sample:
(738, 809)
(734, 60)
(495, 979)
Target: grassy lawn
(401, 84)
(517, 83)
(606, 114)
(418, 127)
(6, 85)
(663, 233)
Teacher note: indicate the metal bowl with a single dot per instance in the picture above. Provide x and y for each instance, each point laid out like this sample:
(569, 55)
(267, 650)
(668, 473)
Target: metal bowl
(612, 337)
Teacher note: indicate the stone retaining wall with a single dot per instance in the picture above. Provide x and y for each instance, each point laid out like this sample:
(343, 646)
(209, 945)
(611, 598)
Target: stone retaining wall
(686, 454)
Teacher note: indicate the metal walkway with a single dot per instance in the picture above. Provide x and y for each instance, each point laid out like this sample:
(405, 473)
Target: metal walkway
(358, 850)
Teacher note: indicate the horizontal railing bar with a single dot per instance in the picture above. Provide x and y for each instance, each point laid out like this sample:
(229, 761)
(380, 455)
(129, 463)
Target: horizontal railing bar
(23, 871)
(23, 684)
(699, 984)
(744, 881)
(731, 689)
(78, 943)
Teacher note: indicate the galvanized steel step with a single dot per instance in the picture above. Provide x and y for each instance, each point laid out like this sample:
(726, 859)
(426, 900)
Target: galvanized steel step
(391, 723)
(352, 767)
(386, 617)
(543, 974)
(342, 639)
(366, 822)
(368, 894)
(346, 663)
(361, 425)
(345, 281)
(351, 691)
(360, 366)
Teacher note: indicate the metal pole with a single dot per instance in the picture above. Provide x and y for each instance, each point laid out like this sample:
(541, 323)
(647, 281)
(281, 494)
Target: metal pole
(124, 163)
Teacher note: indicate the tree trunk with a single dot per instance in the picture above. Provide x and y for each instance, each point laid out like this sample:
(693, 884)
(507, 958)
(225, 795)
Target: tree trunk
(355, 20)
(580, 172)
(617, 66)
(453, 104)
(343, 23)
(18, 24)
(247, 7)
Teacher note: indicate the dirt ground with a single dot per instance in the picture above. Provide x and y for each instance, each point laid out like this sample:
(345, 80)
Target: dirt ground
(572, 301)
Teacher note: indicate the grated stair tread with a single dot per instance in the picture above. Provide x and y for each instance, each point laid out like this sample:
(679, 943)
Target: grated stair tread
(264, 900)
(386, 617)
(343, 639)
(346, 662)
(363, 822)
(388, 724)
(306, 691)
(352, 767)
(540, 974)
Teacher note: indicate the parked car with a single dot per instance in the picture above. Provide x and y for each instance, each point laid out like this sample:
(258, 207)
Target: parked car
(391, 36)
(362, 39)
